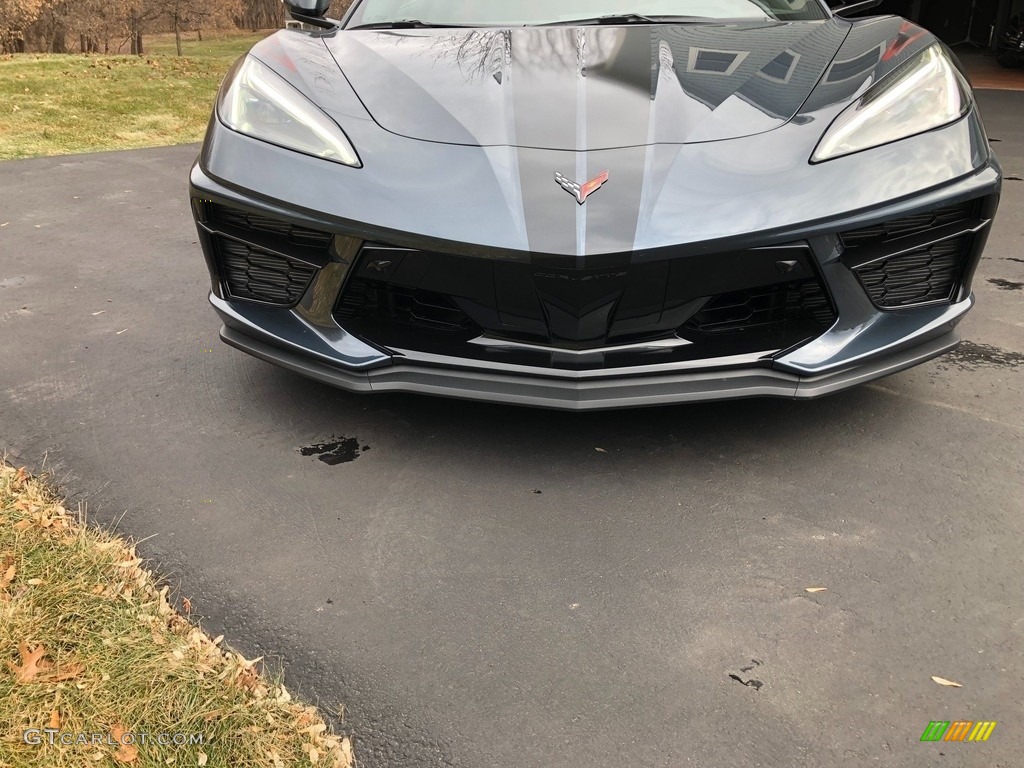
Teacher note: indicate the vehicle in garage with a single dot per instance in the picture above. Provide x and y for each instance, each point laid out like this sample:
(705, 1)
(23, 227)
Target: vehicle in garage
(589, 204)
(1011, 44)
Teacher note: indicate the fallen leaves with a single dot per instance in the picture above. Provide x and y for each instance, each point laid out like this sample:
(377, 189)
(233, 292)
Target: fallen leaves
(283, 697)
(97, 578)
(34, 668)
(24, 505)
(815, 590)
(947, 683)
(69, 672)
(126, 752)
(40, 511)
(31, 663)
(8, 577)
(346, 751)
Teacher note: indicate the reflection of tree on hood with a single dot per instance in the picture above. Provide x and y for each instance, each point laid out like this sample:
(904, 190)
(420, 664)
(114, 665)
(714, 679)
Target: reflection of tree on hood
(481, 53)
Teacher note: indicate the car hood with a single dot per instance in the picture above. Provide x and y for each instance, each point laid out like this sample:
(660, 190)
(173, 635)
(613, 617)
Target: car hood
(587, 88)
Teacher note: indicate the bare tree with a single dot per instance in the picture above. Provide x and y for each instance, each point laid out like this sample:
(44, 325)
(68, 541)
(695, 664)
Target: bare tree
(94, 26)
(182, 15)
(137, 19)
(261, 14)
(15, 17)
(217, 14)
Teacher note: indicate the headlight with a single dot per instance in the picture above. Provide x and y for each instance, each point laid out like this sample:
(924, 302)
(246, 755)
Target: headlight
(260, 103)
(922, 94)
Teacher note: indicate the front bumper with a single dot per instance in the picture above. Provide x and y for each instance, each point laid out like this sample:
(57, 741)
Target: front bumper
(624, 389)
(864, 343)
(867, 321)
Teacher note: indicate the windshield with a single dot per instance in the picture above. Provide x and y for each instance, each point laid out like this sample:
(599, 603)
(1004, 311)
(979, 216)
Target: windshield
(485, 13)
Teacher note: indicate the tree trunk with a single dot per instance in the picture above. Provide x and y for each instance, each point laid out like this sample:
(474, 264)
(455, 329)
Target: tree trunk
(138, 43)
(177, 35)
(58, 43)
(199, 32)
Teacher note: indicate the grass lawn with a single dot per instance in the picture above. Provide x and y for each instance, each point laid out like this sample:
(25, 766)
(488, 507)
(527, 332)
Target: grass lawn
(95, 659)
(52, 104)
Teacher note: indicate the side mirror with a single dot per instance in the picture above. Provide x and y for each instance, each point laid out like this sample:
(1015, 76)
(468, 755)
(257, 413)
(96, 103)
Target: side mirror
(308, 8)
(848, 7)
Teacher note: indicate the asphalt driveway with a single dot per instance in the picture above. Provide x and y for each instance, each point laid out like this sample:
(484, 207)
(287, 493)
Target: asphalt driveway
(491, 586)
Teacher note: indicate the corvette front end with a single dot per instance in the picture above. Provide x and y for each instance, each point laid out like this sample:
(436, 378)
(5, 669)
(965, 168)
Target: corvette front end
(588, 218)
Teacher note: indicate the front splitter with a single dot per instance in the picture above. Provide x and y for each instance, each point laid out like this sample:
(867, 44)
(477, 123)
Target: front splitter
(606, 393)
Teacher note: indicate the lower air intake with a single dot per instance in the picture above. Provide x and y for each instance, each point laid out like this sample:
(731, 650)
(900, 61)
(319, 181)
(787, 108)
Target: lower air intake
(802, 302)
(381, 302)
(217, 214)
(924, 275)
(915, 224)
(258, 275)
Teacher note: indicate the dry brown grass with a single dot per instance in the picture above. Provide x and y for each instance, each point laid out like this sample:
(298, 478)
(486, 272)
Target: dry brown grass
(89, 644)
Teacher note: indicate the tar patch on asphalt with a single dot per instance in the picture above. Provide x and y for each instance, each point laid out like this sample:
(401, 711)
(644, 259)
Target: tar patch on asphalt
(970, 356)
(1006, 285)
(337, 450)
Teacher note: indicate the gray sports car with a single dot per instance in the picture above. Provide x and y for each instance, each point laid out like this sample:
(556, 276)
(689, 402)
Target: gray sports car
(590, 204)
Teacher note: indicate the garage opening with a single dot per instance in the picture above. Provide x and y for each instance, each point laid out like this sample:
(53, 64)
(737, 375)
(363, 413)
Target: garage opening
(978, 30)
(958, 22)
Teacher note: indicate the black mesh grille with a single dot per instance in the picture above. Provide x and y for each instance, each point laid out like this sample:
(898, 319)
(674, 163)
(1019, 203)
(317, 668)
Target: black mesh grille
(919, 223)
(798, 302)
(920, 276)
(370, 300)
(562, 317)
(253, 273)
(221, 214)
